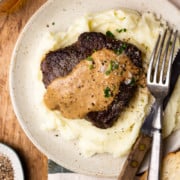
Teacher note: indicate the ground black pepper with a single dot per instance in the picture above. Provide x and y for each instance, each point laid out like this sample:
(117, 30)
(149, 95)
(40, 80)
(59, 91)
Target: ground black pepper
(6, 169)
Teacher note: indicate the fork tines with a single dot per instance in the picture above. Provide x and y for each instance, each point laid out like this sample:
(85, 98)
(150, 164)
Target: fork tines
(159, 70)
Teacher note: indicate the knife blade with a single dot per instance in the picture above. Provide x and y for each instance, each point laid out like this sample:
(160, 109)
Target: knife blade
(143, 142)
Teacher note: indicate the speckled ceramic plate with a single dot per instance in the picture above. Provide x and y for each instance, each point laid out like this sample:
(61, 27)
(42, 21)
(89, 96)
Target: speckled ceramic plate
(58, 15)
(14, 159)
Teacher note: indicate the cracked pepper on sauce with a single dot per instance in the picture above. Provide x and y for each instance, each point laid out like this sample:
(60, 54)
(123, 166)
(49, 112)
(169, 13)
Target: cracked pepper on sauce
(92, 84)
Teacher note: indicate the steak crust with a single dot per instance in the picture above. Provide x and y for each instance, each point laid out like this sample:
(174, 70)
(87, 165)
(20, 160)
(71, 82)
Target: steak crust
(60, 63)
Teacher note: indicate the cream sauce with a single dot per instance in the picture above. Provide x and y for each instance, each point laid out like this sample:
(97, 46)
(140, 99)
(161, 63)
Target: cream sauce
(92, 85)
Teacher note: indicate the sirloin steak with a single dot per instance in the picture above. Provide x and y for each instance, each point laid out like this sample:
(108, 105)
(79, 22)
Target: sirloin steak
(61, 62)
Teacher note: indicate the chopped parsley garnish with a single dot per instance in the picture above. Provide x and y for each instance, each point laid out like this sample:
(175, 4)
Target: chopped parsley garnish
(115, 65)
(89, 58)
(133, 81)
(142, 86)
(121, 30)
(122, 71)
(108, 72)
(112, 66)
(91, 61)
(110, 34)
(121, 49)
(107, 92)
(91, 66)
(123, 18)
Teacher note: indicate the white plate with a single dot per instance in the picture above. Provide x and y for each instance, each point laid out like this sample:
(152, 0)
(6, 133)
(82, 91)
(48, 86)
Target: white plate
(23, 91)
(14, 159)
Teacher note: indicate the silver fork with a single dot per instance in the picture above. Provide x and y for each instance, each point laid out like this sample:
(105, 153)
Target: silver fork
(158, 84)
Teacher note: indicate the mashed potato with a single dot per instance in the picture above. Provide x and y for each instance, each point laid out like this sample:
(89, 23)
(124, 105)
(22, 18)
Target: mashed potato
(142, 31)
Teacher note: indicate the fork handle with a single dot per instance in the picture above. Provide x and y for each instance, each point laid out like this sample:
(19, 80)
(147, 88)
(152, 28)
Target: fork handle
(156, 150)
(156, 156)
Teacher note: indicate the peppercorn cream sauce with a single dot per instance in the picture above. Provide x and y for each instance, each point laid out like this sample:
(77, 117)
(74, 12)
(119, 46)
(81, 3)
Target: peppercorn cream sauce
(92, 84)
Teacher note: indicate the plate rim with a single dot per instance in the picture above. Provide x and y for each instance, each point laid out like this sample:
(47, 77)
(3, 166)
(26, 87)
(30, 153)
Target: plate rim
(12, 63)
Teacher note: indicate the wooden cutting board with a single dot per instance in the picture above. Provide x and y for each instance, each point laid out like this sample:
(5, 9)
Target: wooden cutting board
(34, 162)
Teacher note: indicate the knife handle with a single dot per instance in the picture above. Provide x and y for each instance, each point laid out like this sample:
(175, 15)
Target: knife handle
(135, 157)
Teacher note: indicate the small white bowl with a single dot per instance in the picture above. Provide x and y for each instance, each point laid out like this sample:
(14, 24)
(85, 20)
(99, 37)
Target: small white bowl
(14, 159)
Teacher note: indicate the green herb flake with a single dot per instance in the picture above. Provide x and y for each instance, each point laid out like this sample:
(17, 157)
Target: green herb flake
(109, 69)
(91, 66)
(121, 73)
(107, 92)
(121, 30)
(142, 86)
(123, 18)
(124, 46)
(112, 66)
(133, 81)
(121, 49)
(89, 58)
(91, 62)
(115, 65)
(110, 34)
(108, 72)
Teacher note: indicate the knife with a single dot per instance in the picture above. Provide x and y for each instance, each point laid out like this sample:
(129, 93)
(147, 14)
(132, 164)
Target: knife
(143, 142)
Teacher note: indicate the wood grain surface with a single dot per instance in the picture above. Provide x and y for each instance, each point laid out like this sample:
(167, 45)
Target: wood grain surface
(34, 162)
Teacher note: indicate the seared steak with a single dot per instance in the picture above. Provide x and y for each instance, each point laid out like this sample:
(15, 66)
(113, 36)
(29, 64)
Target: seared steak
(105, 119)
(61, 62)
